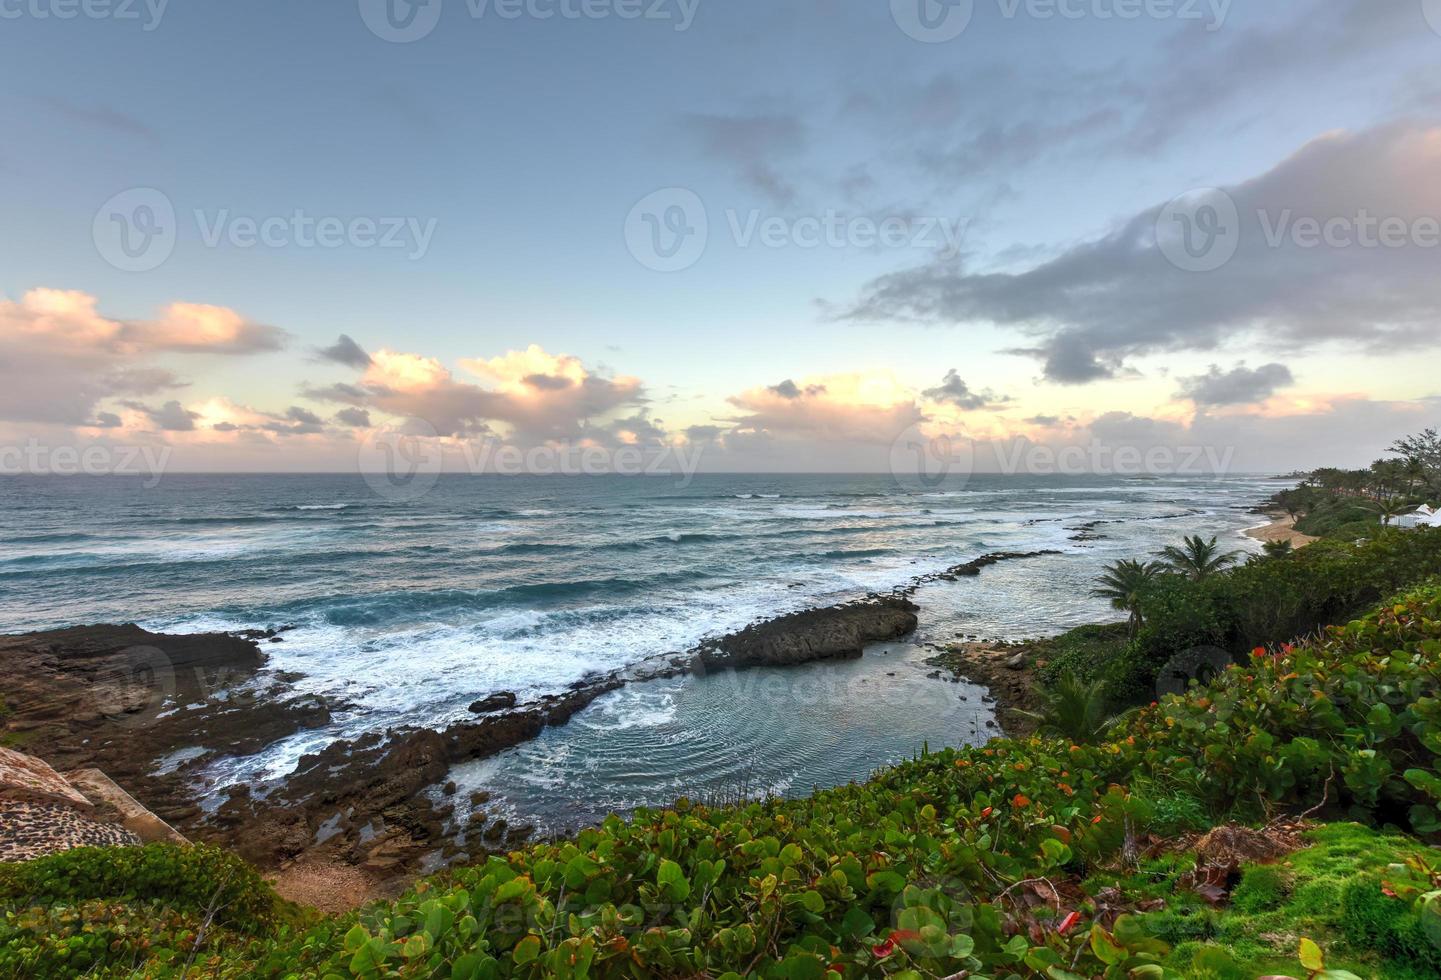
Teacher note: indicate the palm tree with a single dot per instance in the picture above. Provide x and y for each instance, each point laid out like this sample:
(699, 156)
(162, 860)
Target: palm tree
(1073, 709)
(1197, 558)
(1390, 509)
(1124, 583)
(1278, 549)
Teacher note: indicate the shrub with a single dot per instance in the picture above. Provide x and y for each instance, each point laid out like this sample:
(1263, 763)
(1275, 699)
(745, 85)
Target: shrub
(186, 879)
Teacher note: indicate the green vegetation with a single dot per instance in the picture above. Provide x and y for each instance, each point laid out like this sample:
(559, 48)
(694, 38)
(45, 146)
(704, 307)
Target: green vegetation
(1347, 505)
(928, 870)
(1265, 601)
(1073, 709)
(1198, 559)
(1334, 888)
(1125, 583)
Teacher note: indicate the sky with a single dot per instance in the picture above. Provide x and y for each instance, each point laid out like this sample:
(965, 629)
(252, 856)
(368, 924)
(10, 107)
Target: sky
(761, 235)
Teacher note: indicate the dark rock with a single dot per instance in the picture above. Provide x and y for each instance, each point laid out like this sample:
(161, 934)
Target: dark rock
(816, 634)
(499, 701)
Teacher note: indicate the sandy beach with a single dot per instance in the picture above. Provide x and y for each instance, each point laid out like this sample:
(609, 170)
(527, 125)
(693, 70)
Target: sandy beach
(1281, 528)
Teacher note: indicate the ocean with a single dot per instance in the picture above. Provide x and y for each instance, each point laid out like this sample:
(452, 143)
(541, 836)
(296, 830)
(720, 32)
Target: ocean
(410, 610)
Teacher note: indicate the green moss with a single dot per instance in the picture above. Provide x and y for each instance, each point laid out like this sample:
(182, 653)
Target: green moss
(1330, 892)
(1262, 889)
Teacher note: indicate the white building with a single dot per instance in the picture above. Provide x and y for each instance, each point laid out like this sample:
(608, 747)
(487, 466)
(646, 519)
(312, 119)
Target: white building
(1422, 516)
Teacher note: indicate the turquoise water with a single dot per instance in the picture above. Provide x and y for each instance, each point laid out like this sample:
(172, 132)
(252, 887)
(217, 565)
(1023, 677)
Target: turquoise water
(411, 610)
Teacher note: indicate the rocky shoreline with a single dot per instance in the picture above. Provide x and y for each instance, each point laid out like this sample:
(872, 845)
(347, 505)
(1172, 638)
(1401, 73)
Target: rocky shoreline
(155, 710)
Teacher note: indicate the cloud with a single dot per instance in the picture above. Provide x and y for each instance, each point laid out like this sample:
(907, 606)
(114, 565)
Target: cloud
(753, 144)
(171, 417)
(789, 389)
(1103, 301)
(1239, 386)
(955, 392)
(103, 117)
(537, 396)
(356, 418)
(864, 408)
(62, 357)
(345, 351)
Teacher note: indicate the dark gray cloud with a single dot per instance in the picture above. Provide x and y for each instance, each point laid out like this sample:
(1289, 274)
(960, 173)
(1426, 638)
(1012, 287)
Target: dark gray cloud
(345, 351)
(345, 394)
(172, 416)
(1102, 301)
(1239, 386)
(548, 382)
(356, 418)
(789, 389)
(756, 145)
(953, 391)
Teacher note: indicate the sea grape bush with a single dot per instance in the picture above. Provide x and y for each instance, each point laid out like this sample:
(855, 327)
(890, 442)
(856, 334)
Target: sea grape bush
(1270, 601)
(944, 865)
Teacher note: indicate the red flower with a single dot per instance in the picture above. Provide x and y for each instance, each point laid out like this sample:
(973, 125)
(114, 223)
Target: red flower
(1068, 923)
(882, 950)
(1021, 801)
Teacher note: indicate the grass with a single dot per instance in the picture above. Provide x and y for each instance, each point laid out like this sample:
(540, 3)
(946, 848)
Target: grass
(1329, 892)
